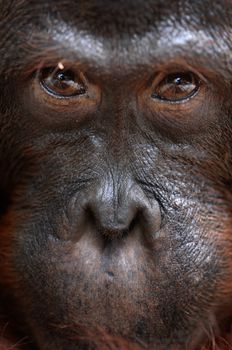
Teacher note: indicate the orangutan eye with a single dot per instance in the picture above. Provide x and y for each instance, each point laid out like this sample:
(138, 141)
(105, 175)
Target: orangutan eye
(177, 87)
(62, 83)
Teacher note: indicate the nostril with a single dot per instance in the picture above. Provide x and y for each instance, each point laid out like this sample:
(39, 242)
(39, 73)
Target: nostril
(133, 223)
(91, 218)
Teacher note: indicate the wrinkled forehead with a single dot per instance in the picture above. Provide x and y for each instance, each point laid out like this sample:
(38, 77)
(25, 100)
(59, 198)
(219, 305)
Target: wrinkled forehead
(124, 31)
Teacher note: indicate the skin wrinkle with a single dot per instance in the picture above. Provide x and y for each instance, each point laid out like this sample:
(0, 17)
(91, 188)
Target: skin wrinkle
(161, 170)
(83, 45)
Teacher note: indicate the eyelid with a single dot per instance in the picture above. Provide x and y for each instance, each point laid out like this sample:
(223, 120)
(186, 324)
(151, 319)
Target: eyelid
(46, 75)
(180, 66)
(82, 102)
(161, 76)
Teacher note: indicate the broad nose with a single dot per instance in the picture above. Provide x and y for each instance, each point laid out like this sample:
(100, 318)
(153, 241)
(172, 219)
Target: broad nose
(116, 210)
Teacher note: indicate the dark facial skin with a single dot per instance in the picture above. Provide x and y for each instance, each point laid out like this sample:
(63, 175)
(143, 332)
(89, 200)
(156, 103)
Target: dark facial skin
(115, 173)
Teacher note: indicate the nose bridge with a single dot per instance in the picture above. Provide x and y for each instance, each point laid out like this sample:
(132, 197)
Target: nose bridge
(116, 118)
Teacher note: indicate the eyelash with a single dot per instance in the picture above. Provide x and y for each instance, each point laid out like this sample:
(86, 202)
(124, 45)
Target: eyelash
(185, 84)
(62, 83)
(68, 82)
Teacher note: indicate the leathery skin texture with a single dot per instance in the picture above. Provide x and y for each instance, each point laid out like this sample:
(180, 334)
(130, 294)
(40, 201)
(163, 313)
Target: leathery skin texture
(115, 175)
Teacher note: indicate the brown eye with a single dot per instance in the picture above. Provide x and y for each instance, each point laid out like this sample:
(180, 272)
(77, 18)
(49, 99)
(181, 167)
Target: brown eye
(177, 87)
(61, 82)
